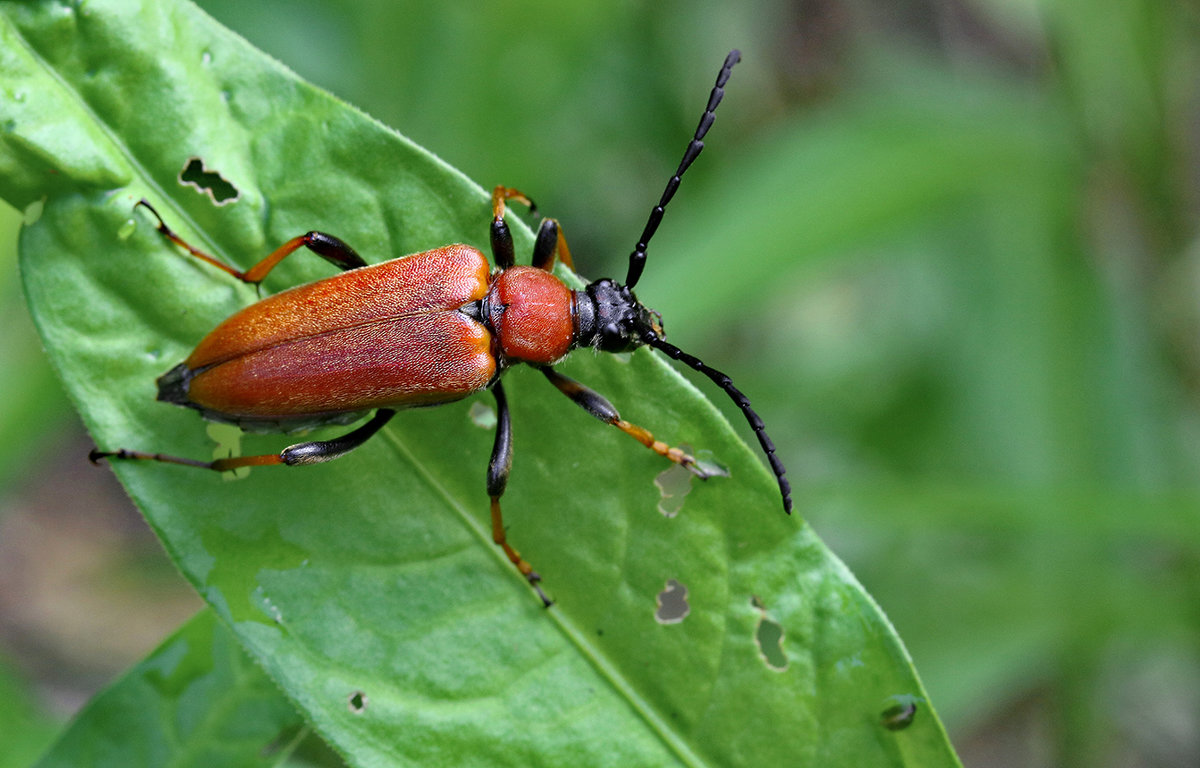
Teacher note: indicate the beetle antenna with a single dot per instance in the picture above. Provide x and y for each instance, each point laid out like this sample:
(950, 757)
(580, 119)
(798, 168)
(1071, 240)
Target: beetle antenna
(637, 259)
(743, 402)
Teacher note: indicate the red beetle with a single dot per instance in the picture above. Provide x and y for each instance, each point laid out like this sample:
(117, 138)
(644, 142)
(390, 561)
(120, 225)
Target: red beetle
(423, 330)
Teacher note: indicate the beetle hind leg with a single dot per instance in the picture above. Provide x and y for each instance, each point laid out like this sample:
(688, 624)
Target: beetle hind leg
(326, 246)
(314, 452)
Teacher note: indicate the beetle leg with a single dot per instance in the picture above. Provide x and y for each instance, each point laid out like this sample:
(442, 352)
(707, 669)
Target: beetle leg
(319, 451)
(550, 243)
(595, 403)
(328, 247)
(313, 452)
(497, 481)
(324, 245)
(502, 193)
(503, 252)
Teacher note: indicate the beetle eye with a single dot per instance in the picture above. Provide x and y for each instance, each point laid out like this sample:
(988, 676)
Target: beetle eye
(656, 324)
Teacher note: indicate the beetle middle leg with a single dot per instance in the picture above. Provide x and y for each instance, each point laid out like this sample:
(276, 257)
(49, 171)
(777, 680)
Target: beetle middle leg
(313, 452)
(596, 404)
(497, 481)
(326, 246)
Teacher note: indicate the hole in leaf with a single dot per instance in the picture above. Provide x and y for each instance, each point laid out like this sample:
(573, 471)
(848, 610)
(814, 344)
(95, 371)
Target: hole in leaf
(482, 416)
(768, 636)
(707, 462)
(358, 702)
(901, 714)
(672, 603)
(228, 439)
(211, 183)
(673, 483)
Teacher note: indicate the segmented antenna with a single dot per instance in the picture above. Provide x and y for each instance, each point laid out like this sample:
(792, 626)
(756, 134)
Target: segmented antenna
(637, 259)
(725, 383)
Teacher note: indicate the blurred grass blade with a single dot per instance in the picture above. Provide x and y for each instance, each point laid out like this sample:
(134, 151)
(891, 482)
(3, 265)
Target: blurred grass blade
(31, 402)
(25, 730)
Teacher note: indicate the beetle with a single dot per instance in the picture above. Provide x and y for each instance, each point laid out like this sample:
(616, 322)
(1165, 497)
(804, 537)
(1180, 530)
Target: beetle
(422, 330)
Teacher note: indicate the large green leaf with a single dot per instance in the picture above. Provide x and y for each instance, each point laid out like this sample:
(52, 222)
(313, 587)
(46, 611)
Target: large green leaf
(196, 701)
(369, 588)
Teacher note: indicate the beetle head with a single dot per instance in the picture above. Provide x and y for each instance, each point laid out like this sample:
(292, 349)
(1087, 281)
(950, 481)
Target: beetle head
(611, 319)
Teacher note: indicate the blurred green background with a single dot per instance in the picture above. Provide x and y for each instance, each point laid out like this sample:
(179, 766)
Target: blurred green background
(948, 248)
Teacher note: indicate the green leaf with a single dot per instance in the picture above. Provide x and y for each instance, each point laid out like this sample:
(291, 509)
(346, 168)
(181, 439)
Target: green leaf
(369, 588)
(198, 700)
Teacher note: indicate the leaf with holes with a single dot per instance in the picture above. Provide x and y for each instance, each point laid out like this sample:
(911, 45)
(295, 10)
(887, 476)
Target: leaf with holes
(369, 588)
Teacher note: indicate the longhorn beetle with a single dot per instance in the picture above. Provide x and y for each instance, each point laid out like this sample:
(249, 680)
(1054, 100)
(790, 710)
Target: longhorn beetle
(422, 330)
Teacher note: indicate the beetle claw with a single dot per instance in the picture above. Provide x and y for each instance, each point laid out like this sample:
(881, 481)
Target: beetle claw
(534, 577)
(697, 470)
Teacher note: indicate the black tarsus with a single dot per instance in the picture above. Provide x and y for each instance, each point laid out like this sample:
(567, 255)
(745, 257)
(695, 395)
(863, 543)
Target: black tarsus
(637, 259)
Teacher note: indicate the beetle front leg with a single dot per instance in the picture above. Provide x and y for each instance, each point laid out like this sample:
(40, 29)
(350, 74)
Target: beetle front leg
(314, 452)
(324, 245)
(550, 242)
(503, 251)
(497, 481)
(595, 403)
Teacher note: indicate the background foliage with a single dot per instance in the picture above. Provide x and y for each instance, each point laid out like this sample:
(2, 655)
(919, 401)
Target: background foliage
(970, 228)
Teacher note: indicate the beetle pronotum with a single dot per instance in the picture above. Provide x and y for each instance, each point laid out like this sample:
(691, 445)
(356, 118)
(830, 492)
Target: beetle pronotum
(421, 330)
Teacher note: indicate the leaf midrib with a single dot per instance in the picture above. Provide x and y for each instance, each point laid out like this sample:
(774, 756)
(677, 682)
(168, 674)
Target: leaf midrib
(607, 671)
